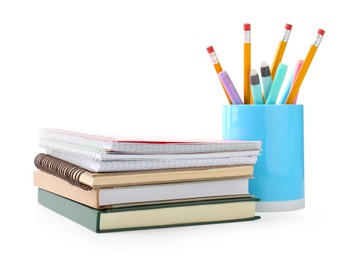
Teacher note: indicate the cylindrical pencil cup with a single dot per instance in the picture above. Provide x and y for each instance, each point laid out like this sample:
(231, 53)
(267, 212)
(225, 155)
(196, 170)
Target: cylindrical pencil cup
(279, 171)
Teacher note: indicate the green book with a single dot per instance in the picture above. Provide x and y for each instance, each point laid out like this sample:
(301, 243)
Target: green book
(151, 216)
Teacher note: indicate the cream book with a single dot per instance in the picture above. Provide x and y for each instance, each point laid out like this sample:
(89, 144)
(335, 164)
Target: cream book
(143, 194)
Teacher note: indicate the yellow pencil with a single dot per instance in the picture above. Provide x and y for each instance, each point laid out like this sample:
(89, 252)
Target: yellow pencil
(217, 66)
(303, 70)
(247, 64)
(281, 49)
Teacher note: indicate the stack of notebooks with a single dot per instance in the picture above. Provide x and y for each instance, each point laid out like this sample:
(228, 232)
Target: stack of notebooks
(114, 184)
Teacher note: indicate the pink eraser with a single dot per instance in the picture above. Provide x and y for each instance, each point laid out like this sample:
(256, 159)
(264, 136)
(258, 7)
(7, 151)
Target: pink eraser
(288, 26)
(246, 27)
(320, 31)
(210, 49)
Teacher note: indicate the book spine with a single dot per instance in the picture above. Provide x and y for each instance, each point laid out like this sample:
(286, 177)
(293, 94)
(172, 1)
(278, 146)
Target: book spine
(79, 213)
(61, 169)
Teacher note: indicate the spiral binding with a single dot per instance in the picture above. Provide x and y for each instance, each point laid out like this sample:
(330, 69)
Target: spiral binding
(61, 169)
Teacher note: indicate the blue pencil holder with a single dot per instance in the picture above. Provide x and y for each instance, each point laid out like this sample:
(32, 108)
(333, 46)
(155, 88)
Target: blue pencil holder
(279, 171)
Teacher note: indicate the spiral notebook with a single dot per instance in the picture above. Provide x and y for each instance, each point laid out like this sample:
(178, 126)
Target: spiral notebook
(105, 155)
(135, 165)
(145, 146)
(86, 180)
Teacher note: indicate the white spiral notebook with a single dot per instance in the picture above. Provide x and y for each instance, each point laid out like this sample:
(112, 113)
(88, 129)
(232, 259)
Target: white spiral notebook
(107, 154)
(134, 165)
(136, 146)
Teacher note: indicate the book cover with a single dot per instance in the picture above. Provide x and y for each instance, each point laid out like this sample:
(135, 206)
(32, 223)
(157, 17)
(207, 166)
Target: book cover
(151, 216)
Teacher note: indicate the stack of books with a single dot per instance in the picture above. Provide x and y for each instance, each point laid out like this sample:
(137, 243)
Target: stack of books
(114, 184)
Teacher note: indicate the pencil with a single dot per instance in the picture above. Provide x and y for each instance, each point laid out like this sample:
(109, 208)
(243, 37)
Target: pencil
(217, 66)
(247, 64)
(281, 49)
(305, 66)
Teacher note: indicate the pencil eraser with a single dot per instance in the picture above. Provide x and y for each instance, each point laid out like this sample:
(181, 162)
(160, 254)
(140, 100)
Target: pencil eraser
(210, 49)
(320, 31)
(246, 27)
(288, 26)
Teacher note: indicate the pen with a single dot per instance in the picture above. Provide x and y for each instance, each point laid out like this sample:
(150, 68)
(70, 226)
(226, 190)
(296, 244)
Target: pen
(230, 88)
(217, 66)
(277, 82)
(256, 88)
(266, 79)
(247, 63)
(281, 49)
(305, 66)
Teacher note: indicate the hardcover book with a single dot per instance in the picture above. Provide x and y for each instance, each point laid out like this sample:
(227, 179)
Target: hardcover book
(151, 216)
(143, 194)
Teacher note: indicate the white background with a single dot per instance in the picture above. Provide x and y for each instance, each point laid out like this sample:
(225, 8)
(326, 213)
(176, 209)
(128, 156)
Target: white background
(141, 68)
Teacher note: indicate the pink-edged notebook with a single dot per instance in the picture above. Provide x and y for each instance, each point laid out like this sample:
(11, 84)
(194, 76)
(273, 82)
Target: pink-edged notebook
(146, 146)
